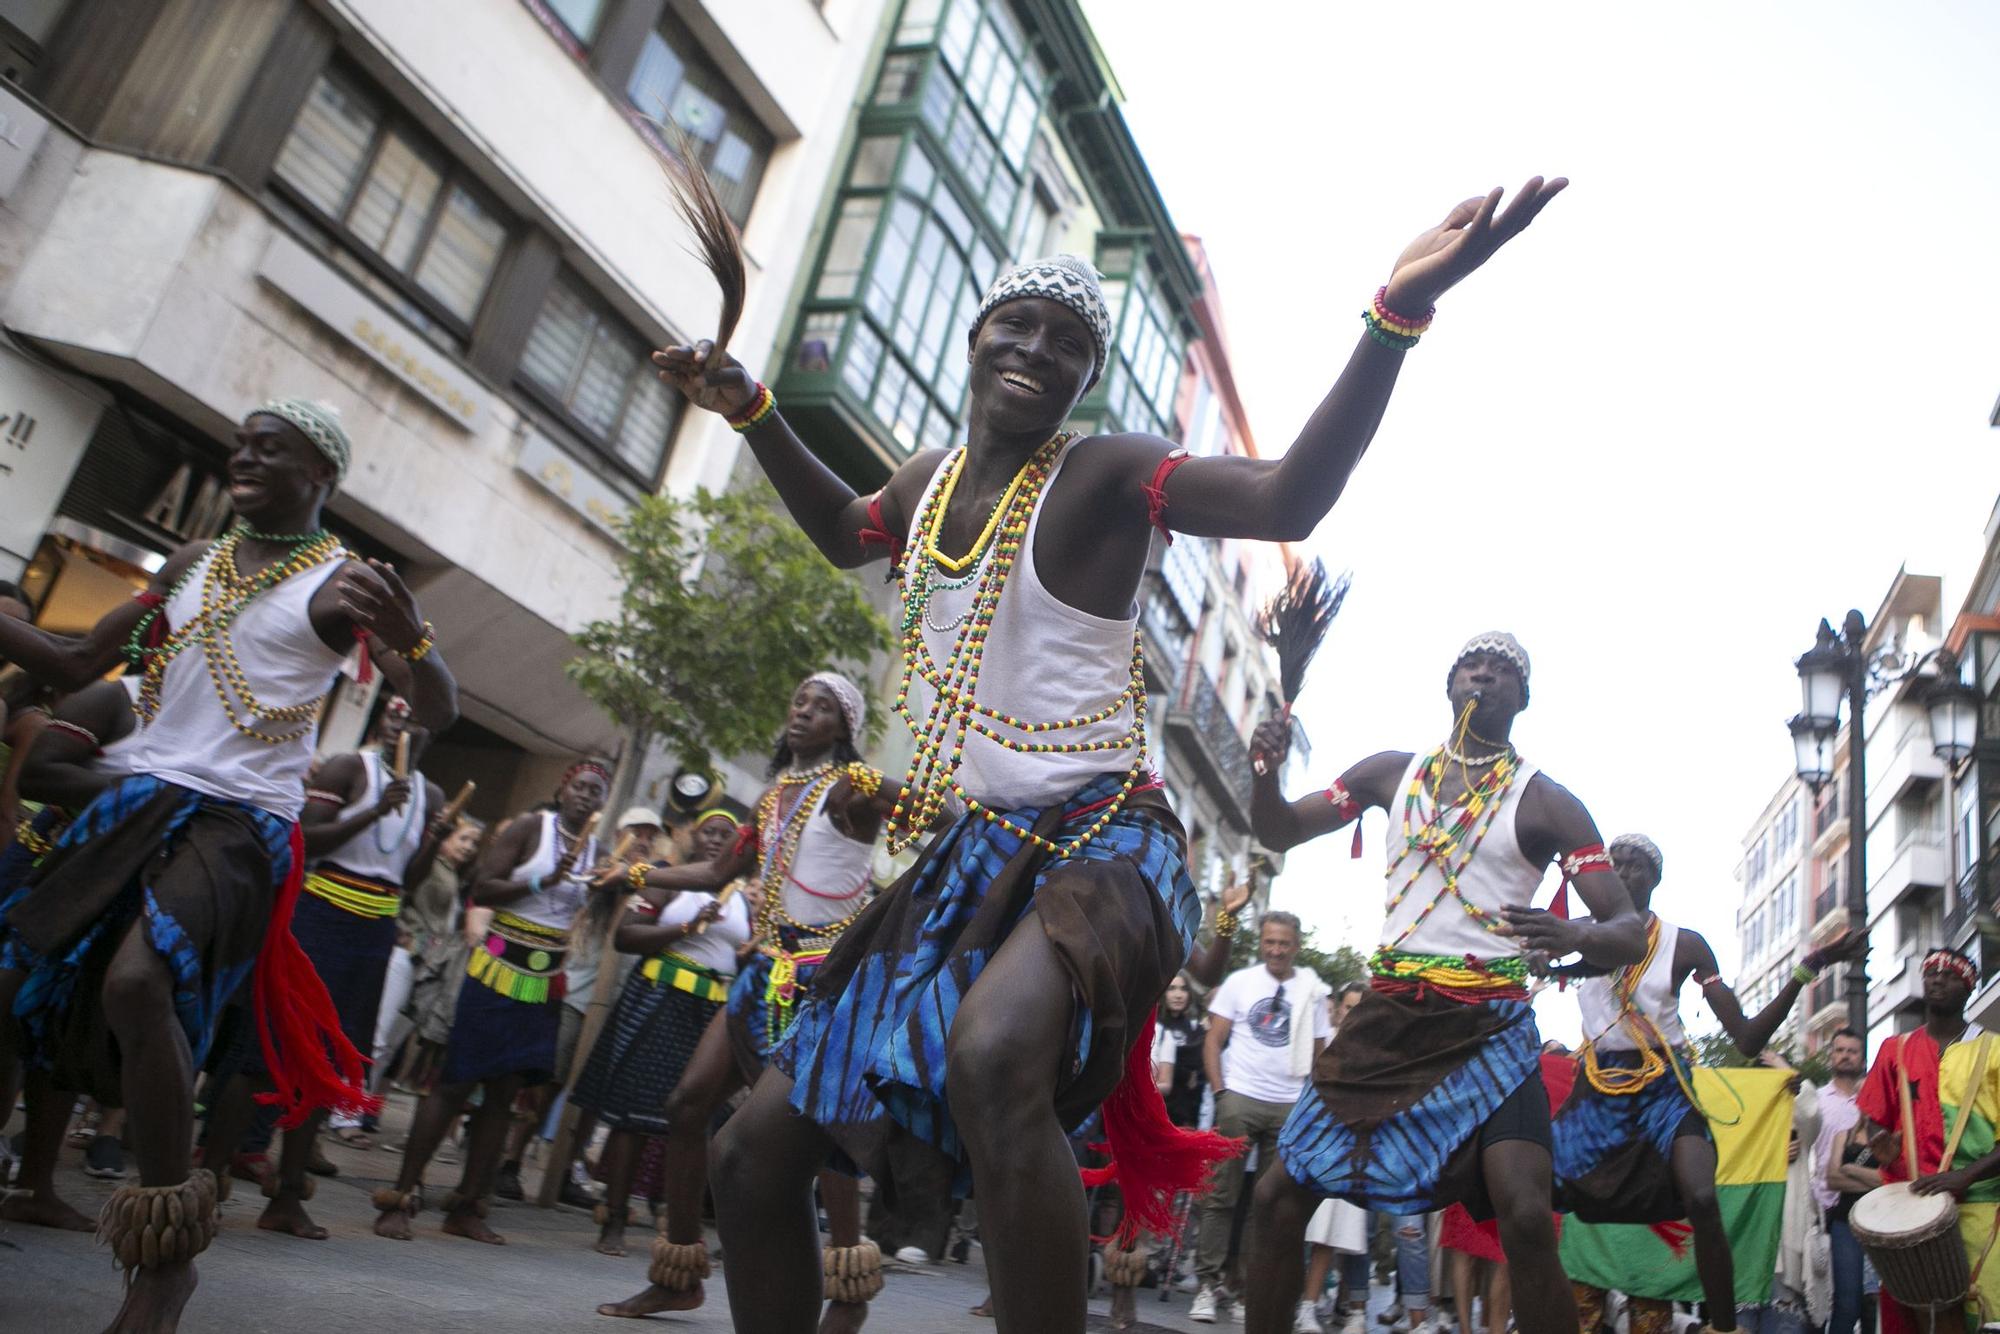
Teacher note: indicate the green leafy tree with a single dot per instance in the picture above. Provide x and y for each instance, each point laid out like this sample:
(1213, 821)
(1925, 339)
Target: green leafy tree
(1718, 1049)
(726, 606)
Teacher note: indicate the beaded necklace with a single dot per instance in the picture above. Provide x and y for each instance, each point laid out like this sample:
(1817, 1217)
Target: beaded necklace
(954, 711)
(779, 829)
(225, 592)
(1436, 838)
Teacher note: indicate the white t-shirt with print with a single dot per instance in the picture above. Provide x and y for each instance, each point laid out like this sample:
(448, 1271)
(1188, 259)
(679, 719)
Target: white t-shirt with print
(1257, 1061)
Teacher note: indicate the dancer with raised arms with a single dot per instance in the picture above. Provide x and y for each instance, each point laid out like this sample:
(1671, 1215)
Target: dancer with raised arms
(1019, 962)
(1431, 1090)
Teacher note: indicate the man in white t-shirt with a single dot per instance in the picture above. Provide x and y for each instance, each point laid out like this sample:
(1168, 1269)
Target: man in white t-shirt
(1266, 1024)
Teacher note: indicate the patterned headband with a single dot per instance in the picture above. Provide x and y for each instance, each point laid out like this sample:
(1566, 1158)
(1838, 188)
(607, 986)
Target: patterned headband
(1644, 847)
(585, 767)
(1501, 645)
(717, 814)
(1951, 961)
(853, 707)
(1065, 278)
(318, 423)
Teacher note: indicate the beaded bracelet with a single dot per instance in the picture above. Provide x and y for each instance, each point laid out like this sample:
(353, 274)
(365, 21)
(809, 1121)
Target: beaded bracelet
(1225, 922)
(1401, 324)
(420, 650)
(635, 875)
(1804, 973)
(756, 411)
(1382, 334)
(863, 779)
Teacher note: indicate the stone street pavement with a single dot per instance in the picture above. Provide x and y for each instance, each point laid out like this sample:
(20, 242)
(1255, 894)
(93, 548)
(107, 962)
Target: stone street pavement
(545, 1278)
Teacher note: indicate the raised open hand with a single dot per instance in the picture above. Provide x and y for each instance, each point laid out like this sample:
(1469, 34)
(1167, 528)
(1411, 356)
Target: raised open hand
(1435, 262)
(1846, 947)
(724, 387)
(1236, 896)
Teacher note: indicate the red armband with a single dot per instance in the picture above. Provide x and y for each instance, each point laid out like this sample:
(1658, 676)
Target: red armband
(1585, 860)
(321, 794)
(877, 533)
(1156, 491)
(1347, 808)
(1706, 982)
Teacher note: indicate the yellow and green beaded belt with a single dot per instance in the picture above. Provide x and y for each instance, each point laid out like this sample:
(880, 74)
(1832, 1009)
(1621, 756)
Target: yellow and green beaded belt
(353, 893)
(671, 970)
(521, 960)
(782, 988)
(1453, 976)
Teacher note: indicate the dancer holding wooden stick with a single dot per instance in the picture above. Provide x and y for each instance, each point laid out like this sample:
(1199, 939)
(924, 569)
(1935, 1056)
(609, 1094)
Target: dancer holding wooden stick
(1018, 964)
(536, 875)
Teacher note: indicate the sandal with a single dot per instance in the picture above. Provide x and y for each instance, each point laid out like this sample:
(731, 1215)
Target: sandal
(354, 1137)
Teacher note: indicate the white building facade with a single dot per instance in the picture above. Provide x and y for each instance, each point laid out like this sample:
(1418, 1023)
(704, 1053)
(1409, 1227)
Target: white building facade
(449, 220)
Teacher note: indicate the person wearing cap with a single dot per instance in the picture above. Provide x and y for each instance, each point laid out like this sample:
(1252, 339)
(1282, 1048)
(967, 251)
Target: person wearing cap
(176, 886)
(1630, 1146)
(1020, 555)
(540, 875)
(1430, 1093)
(810, 854)
(1936, 1061)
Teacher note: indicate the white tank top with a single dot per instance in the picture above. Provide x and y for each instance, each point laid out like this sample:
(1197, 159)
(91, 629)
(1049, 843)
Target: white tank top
(559, 901)
(829, 871)
(383, 850)
(192, 741)
(716, 947)
(1045, 661)
(115, 757)
(1499, 875)
(1656, 998)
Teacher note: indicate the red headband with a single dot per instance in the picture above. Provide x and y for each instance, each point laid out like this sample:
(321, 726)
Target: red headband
(1946, 961)
(585, 767)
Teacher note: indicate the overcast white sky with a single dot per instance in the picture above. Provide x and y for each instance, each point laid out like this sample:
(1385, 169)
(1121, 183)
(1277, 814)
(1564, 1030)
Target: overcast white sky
(1731, 379)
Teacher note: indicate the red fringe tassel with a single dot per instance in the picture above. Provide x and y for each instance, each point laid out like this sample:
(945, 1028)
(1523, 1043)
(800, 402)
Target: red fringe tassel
(1152, 1159)
(1675, 1235)
(310, 1059)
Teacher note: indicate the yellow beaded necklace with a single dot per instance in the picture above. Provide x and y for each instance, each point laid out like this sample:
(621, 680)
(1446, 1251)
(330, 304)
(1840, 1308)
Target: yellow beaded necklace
(955, 711)
(225, 591)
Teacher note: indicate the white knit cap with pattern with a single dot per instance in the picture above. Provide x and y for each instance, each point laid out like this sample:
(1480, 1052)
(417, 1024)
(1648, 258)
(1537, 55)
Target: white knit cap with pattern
(1644, 847)
(853, 704)
(1072, 280)
(1501, 645)
(319, 423)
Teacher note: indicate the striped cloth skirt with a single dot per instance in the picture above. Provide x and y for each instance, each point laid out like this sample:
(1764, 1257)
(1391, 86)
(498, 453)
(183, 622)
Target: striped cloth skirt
(1401, 1097)
(1614, 1152)
(867, 1047)
(762, 1001)
(648, 1041)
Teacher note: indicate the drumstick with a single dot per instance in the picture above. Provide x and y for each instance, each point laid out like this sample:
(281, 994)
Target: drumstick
(625, 841)
(403, 755)
(721, 901)
(456, 806)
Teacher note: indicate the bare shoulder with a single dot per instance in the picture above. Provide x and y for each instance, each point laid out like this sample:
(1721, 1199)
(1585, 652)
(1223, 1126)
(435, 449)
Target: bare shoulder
(179, 563)
(1549, 797)
(1121, 454)
(907, 485)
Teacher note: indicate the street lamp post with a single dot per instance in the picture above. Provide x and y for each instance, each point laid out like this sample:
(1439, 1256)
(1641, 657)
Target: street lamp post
(1837, 666)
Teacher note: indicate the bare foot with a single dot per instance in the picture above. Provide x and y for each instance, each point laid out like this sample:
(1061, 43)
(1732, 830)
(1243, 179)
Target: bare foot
(44, 1211)
(655, 1299)
(154, 1300)
(843, 1317)
(985, 1308)
(1124, 1308)
(611, 1241)
(472, 1227)
(287, 1213)
(393, 1224)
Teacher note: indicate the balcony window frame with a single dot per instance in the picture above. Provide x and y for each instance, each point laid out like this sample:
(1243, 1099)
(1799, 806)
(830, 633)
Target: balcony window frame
(453, 175)
(600, 446)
